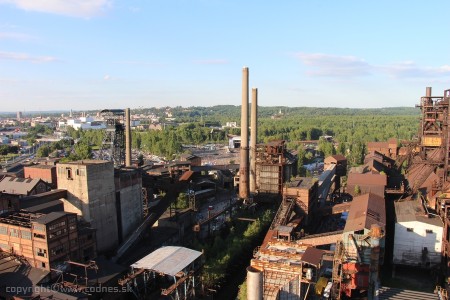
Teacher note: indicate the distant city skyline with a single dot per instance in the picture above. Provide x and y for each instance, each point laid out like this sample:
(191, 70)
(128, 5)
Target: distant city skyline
(95, 54)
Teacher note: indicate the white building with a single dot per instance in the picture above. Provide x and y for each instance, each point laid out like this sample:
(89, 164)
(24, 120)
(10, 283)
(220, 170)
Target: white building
(84, 123)
(418, 236)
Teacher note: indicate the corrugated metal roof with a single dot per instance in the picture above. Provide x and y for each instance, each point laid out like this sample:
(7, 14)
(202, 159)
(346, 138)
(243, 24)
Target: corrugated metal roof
(313, 256)
(186, 176)
(367, 179)
(364, 211)
(48, 218)
(18, 186)
(168, 260)
(412, 211)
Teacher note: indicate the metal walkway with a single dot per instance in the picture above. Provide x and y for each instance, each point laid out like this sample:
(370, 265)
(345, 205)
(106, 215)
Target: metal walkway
(395, 293)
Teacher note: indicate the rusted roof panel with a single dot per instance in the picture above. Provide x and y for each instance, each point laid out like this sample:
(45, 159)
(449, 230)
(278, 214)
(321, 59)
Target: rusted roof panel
(366, 210)
(313, 256)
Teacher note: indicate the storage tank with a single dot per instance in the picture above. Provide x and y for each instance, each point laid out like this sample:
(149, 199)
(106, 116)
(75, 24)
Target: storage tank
(254, 284)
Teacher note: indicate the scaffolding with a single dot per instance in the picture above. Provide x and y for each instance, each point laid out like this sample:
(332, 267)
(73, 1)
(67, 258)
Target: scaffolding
(113, 145)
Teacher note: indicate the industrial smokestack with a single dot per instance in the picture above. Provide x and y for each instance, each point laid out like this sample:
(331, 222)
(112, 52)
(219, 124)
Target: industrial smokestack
(428, 93)
(253, 136)
(127, 138)
(243, 168)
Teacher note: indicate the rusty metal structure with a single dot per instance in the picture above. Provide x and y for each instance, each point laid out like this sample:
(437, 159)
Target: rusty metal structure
(269, 167)
(432, 150)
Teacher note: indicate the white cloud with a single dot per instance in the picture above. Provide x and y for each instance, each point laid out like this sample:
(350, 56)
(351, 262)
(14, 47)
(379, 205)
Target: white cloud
(26, 57)
(15, 36)
(75, 8)
(409, 69)
(351, 66)
(106, 77)
(334, 65)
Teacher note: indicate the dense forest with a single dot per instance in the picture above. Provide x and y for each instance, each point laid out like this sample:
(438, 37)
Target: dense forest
(351, 129)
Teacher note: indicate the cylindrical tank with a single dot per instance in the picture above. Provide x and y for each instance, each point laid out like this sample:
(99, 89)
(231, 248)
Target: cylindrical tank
(254, 284)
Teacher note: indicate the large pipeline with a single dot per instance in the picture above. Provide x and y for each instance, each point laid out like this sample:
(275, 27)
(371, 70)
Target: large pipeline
(243, 168)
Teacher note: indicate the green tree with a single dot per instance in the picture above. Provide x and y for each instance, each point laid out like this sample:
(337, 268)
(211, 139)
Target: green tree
(357, 190)
(43, 151)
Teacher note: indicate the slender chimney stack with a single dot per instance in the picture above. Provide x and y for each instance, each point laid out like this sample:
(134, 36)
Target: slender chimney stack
(253, 137)
(428, 93)
(127, 138)
(243, 169)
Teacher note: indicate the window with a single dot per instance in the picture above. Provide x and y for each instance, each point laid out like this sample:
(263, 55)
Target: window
(39, 236)
(41, 252)
(69, 173)
(38, 227)
(25, 234)
(43, 264)
(429, 231)
(14, 232)
(3, 230)
(410, 229)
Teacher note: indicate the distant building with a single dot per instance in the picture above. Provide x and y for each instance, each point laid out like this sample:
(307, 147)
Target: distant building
(83, 123)
(19, 116)
(46, 240)
(195, 160)
(418, 236)
(389, 148)
(340, 161)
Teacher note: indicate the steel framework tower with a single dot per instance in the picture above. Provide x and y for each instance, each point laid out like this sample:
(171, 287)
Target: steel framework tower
(113, 146)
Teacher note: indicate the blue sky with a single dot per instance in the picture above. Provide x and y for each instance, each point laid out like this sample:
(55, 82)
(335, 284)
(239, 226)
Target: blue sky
(95, 54)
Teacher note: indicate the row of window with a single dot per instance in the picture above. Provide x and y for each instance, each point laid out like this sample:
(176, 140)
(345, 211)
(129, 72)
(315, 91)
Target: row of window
(57, 225)
(15, 232)
(68, 172)
(412, 230)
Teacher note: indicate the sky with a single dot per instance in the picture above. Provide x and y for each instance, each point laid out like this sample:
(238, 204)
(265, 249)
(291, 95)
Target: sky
(97, 54)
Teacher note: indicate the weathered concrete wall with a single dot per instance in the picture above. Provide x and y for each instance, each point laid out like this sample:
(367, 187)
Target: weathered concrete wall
(410, 240)
(130, 209)
(91, 192)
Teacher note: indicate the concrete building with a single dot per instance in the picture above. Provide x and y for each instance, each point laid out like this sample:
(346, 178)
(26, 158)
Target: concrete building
(128, 195)
(91, 194)
(46, 240)
(418, 236)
